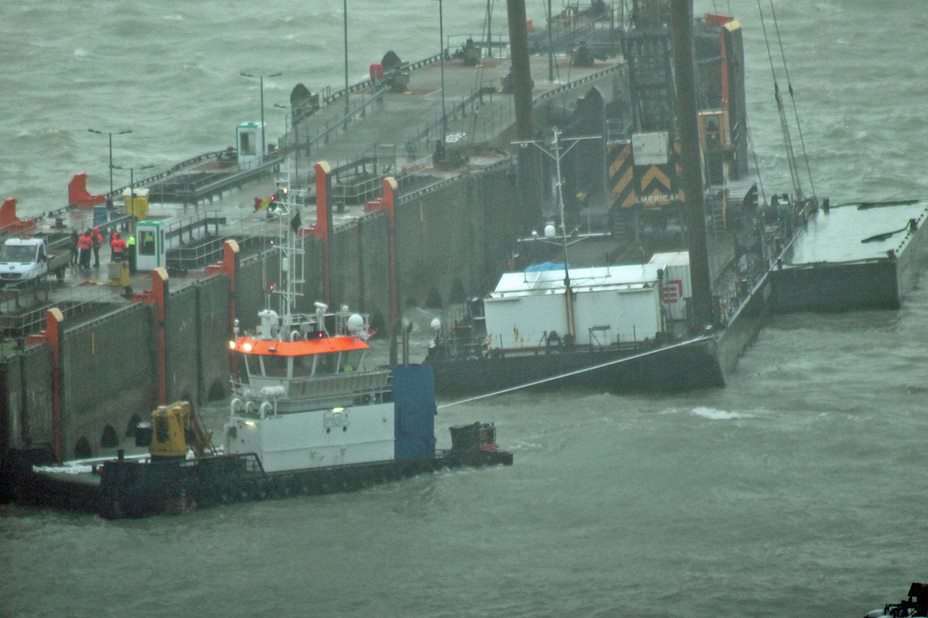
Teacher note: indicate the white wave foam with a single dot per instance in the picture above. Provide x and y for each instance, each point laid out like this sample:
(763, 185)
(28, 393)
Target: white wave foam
(173, 17)
(80, 52)
(714, 414)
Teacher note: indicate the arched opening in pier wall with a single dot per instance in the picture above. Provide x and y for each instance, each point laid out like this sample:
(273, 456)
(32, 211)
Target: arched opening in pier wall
(82, 448)
(109, 439)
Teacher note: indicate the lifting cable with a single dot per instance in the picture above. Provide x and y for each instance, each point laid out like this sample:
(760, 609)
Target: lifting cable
(784, 126)
(789, 85)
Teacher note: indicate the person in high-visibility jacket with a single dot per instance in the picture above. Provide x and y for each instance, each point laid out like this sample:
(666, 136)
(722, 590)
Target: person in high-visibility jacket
(117, 248)
(130, 249)
(84, 247)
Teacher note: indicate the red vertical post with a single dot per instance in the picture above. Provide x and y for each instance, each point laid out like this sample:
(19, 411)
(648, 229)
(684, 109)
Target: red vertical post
(8, 212)
(53, 320)
(159, 293)
(323, 224)
(230, 269)
(389, 205)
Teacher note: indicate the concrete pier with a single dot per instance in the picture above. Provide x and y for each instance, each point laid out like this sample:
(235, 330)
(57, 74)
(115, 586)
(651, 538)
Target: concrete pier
(118, 356)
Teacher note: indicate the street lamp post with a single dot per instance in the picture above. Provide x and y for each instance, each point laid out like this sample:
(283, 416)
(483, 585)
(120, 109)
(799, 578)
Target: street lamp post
(345, 13)
(441, 35)
(550, 45)
(110, 134)
(260, 78)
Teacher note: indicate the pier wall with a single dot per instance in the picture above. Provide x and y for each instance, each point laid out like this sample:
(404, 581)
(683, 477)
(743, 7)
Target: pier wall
(182, 342)
(213, 329)
(450, 237)
(27, 419)
(456, 235)
(361, 266)
(197, 335)
(108, 376)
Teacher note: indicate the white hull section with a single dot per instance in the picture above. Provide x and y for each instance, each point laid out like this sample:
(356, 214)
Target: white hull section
(320, 438)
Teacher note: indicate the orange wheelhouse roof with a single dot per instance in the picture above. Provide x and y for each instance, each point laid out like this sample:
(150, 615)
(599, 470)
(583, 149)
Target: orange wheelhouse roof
(301, 347)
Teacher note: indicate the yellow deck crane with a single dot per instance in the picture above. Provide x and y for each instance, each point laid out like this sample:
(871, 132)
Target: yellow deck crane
(174, 429)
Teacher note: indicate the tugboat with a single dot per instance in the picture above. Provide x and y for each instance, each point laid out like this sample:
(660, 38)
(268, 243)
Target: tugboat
(306, 417)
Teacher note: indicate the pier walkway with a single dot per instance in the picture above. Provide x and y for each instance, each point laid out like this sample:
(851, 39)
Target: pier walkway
(384, 133)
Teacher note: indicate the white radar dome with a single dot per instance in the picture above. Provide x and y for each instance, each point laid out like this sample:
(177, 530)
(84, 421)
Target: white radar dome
(435, 324)
(355, 323)
(550, 230)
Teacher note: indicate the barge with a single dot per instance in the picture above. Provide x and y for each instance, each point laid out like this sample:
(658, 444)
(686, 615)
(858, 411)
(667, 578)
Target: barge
(626, 331)
(865, 255)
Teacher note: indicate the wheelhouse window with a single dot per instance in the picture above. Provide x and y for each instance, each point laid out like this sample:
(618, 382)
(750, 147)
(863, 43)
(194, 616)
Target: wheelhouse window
(326, 364)
(275, 366)
(247, 368)
(303, 366)
(351, 361)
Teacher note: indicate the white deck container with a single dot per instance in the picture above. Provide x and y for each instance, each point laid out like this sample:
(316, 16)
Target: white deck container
(611, 304)
(677, 285)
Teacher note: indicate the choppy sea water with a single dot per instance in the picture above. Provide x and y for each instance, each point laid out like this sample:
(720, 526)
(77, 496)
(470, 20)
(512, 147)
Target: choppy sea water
(797, 490)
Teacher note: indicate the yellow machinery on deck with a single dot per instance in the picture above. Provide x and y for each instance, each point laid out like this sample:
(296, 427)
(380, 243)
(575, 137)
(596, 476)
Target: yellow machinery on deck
(175, 428)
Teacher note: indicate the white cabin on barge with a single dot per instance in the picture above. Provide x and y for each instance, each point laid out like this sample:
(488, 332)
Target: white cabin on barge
(611, 304)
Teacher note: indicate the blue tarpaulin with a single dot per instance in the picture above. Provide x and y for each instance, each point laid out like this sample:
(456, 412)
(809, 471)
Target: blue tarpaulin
(534, 268)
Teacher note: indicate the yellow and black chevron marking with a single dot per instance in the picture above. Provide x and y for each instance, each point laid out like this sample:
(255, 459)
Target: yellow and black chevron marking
(662, 185)
(622, 175)
(656, 189)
